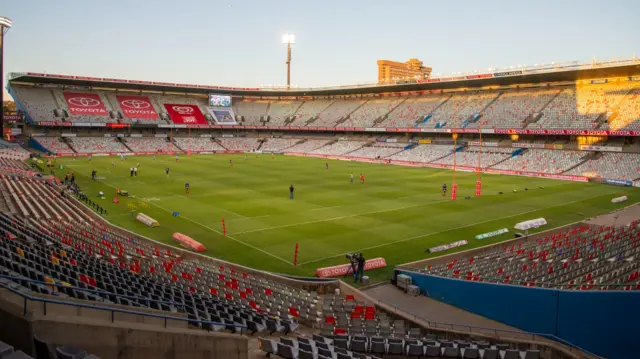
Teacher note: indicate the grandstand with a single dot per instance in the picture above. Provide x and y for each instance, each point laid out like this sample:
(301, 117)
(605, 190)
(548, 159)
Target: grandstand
(55, 241)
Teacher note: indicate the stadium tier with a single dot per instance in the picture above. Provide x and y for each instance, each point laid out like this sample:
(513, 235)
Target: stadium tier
(581, 107)
(584, 258)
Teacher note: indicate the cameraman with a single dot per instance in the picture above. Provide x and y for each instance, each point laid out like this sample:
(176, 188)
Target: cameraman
(353, 260)
(361, 263)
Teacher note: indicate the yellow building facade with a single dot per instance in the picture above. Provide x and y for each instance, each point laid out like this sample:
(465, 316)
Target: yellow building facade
(390, 70)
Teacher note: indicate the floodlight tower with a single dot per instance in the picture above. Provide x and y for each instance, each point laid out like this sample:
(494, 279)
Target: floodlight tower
(288, 39)
(5, 25)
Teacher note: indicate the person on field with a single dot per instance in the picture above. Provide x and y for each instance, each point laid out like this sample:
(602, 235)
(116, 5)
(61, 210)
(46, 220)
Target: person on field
(361, 263)
(444, 190)
(167, 171)
(326, 165)
(361, 178)
(351, 178)
(187, 189)
(291, 189)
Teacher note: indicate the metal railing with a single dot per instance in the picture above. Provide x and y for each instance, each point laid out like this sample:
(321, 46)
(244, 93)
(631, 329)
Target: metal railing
(27, 297)
(472, 329)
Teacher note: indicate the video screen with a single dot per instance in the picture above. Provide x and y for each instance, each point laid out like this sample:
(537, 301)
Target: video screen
(219, 100)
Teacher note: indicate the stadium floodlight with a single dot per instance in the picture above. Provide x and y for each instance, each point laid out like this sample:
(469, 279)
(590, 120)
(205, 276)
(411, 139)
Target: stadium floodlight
(5, 25)
(288, 39)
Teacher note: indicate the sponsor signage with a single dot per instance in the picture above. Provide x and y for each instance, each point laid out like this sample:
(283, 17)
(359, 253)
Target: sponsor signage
(565, 132)
(85, 104)
(492, 234)
(12, 131)
(600, 148)
(534, 223)
(527, 145)
(617, 182)
(344, 269)
(185, 114)
(444, 247)
(484, 144)
(619, 199)
(12, 118)
(481, 76)
(599, 81)
(634, 78)
(68, 135)
(137, 107)
(424, 142)
(507, 73)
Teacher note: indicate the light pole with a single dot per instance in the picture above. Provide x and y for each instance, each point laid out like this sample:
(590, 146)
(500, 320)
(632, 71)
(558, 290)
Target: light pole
(288, 39)
(5, 25)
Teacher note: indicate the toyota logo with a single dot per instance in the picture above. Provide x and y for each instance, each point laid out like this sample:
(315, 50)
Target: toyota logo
(183, 110)
(139, 104)
(84, 101)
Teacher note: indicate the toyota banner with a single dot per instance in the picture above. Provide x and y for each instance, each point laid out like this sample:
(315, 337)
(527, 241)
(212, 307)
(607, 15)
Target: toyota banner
(185, 114)
(85, 104)
(137, 107)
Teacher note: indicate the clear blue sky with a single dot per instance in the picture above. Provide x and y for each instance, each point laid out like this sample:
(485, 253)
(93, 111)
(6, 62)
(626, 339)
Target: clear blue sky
(237, 42)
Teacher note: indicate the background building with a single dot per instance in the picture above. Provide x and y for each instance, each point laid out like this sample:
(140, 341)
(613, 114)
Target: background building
(389, 70)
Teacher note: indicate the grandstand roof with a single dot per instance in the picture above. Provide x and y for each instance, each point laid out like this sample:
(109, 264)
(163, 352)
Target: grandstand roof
(549, 74)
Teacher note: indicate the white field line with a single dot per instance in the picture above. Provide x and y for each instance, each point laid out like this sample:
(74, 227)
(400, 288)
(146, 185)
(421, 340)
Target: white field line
(338, 218)
(218, 232)
(448, 230)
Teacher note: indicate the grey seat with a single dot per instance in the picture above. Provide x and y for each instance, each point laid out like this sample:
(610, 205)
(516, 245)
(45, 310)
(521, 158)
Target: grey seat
(502, 346)
(287, 341)
(326, 352)
(322, 345)
(532, 354)
(17, 355)
(273, 326)
(483, 345)
(415, 350)
(462, 345)
(395, 348)
(287, 352)
(319, 338)
(511, 354)
(268, 346)
(343, 356)
(305, 346)
(450, 352)
(471, 353)
(359, 355)
(446, 344)
(303, 354)
(341, 343)
(5, 349)
(490, 353)
(378, 347)
(70, 353)
(358, 346)
(414, 333)
(432, 351)
(303, 340)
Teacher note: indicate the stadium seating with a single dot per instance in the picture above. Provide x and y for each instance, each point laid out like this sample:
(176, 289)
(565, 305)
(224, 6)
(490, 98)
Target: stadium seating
(245, 144)
(282, 111)
(150, 144)
(336, 111)
(339, 148)
(543, 161)
(513, 107)
(97, 145)
(627, 115)
(584, 258)
(58, 96)
(408, 113)
(423, 153)
(379, 150)
(13, 152)
(621, 166)
(251, 111)
(199, 144)
(38, 102)
(458, 109)
(372, 110)
(308, 146)
(469, 158)
(51, 239)
(279, 144)
(56, 145)
(309, 110)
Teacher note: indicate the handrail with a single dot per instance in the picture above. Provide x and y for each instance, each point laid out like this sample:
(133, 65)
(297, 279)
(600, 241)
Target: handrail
(495, 330)
(93, 291)
(112, 310)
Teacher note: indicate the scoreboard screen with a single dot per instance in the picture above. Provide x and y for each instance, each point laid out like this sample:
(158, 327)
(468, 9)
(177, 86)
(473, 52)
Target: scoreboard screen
(219, 100)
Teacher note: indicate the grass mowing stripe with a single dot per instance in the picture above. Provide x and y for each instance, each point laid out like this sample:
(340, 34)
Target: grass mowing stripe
(451, 229)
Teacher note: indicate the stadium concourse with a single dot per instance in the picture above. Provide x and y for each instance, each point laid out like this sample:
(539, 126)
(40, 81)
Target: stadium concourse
(64, 266)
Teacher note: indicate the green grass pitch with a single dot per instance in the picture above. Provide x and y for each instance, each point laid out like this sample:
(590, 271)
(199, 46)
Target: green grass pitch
(397, 213)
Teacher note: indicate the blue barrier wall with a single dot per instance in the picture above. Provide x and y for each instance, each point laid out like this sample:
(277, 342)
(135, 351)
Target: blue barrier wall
(507, 304)
(602, 322)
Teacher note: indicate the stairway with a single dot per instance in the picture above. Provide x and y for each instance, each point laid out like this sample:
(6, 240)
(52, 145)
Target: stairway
(589, 157)
(384, 117)
(536, 116)
(65, 140)
(124, 143)
(345, 118)
(430, 114)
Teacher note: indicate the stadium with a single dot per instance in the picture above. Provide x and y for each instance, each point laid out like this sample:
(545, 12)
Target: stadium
(491, 214)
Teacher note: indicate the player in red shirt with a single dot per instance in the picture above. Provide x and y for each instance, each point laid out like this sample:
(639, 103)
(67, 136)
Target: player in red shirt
(361, 178)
